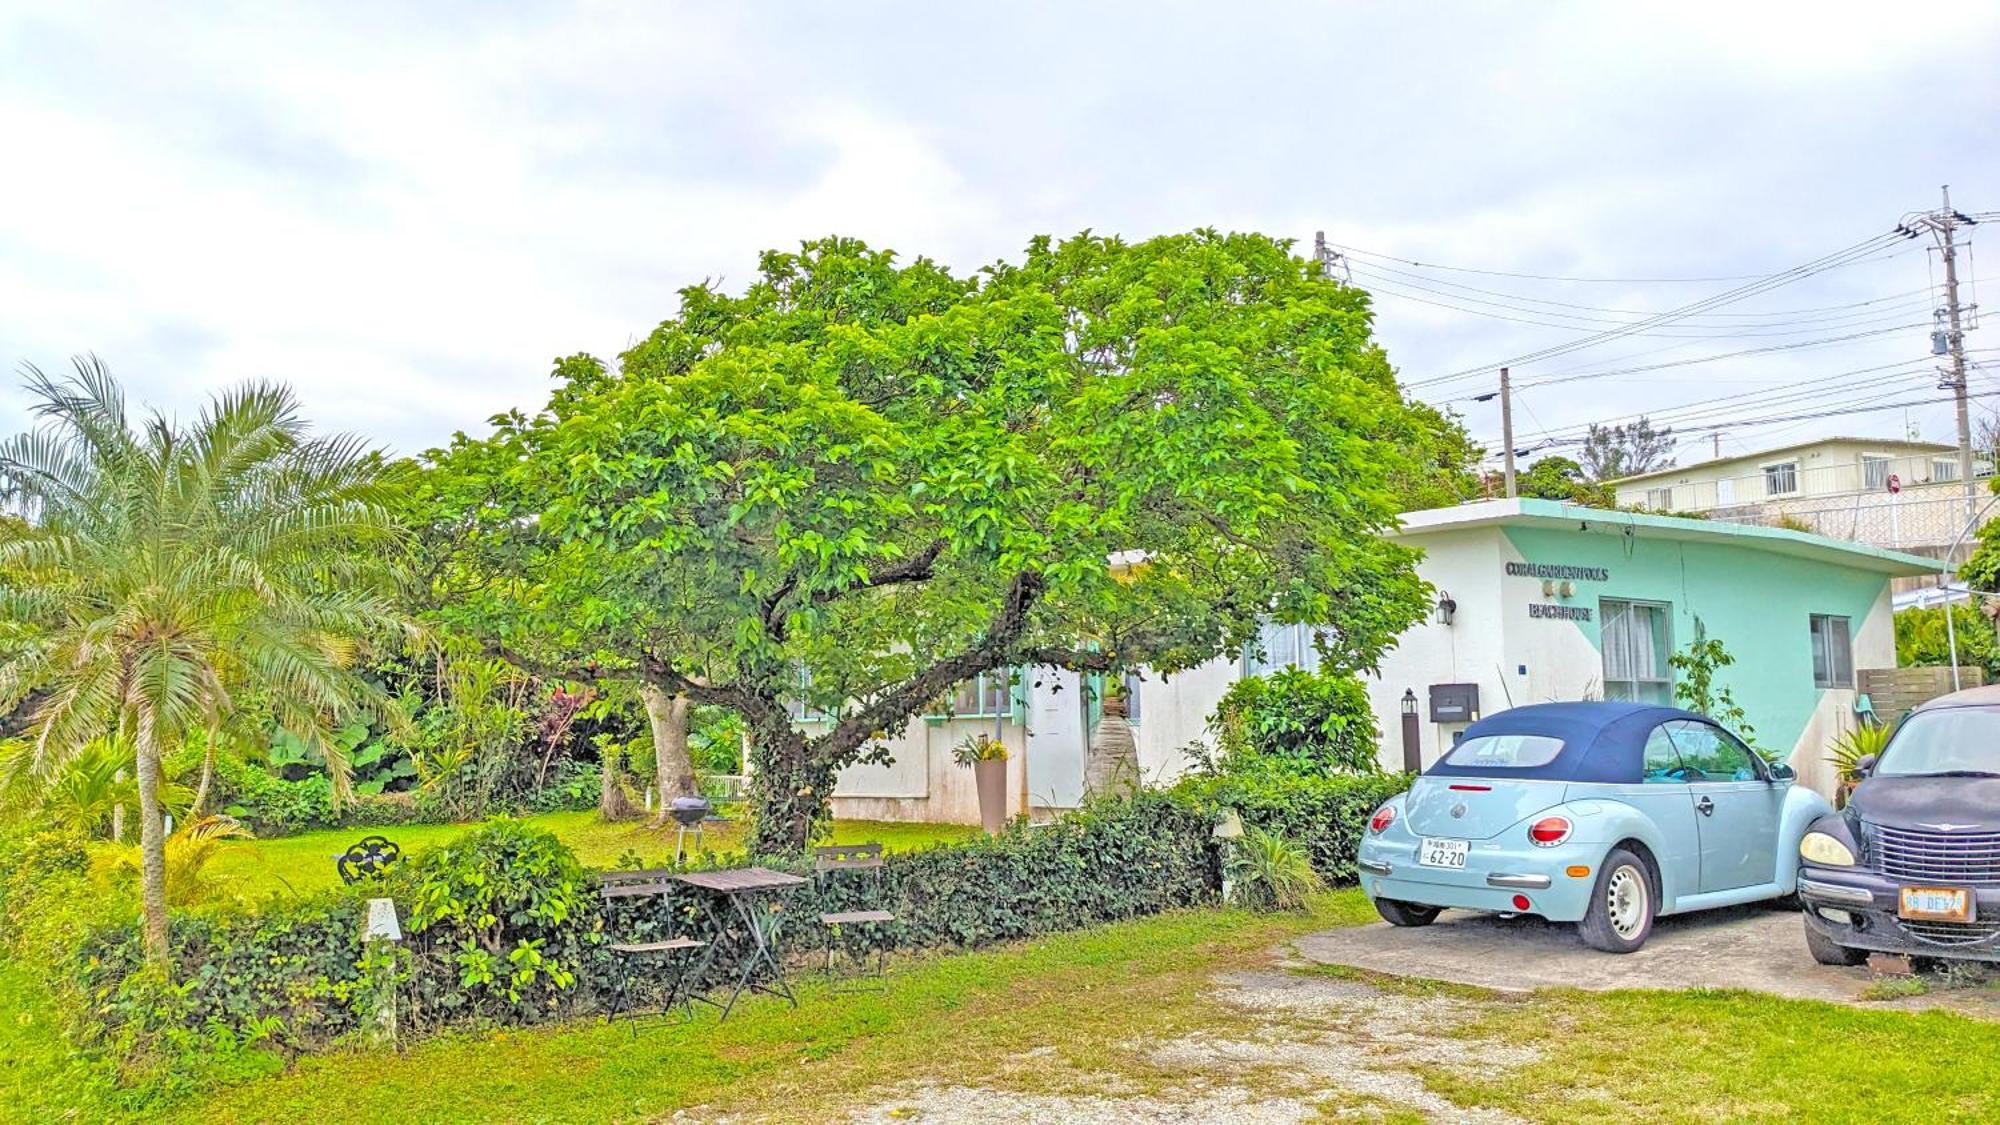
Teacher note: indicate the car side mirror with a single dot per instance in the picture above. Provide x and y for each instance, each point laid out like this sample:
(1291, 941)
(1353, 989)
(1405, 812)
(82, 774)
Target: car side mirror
(1780, 771)
(1864, 765)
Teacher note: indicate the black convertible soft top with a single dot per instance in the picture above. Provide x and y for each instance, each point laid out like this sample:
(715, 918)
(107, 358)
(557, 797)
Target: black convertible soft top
(1601, 741)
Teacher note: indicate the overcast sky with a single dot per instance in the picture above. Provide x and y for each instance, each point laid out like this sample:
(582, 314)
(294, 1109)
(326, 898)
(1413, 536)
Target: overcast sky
(408, 211)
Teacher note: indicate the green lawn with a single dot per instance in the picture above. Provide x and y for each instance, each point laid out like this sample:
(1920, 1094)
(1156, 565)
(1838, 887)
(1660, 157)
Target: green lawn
(1075, 1014)
(305, 862)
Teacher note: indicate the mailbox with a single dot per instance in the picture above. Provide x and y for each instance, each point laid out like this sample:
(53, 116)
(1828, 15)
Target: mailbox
(1454, 703)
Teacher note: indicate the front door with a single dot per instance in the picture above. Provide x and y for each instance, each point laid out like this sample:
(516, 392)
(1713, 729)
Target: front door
(1736, 808)
(1056, 738)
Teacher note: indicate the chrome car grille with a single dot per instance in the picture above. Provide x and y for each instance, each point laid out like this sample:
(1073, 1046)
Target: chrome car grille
(1960, 859)
(1950, 933)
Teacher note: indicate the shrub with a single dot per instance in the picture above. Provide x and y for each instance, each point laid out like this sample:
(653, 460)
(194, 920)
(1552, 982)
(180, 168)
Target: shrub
(505, 926)
(1270, 872)
(1307, 722)
(1325, 815)
(503, 910)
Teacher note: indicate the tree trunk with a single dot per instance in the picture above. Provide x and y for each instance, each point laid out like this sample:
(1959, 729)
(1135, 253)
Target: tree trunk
(788, 788)
(201, 787)
(152, 850)
(673, 770)
(612, 803)
(118, 813)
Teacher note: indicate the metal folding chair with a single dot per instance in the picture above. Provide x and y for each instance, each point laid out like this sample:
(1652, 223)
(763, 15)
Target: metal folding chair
(853, 871)
(676, 951)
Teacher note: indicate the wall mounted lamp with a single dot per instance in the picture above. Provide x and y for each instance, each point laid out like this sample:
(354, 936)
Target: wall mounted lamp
(1445, 607)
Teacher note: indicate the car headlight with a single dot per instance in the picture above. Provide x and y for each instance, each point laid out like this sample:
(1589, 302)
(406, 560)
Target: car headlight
(1820, 848)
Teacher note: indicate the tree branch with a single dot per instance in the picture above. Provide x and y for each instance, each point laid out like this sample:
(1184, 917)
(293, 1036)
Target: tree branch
(993, 650)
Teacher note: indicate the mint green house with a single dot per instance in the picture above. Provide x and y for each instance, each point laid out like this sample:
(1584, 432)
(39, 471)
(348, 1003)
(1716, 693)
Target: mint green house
(1540, 600)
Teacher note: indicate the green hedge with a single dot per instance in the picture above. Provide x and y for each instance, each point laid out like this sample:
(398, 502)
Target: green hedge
(504, 926)
(1326, 815)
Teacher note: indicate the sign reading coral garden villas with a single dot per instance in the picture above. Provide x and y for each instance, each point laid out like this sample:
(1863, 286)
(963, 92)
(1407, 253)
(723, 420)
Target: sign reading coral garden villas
(1559, 612)
(1558, 570)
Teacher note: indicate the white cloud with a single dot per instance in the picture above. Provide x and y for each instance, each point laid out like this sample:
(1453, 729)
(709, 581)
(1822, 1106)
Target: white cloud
(409, 213)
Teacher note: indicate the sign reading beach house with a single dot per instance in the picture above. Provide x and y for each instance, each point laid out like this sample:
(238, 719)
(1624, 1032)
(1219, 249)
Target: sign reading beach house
(1558, 612)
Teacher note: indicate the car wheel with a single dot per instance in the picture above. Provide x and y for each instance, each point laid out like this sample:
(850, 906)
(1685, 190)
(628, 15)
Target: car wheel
(1398, 913)
(1621, 911)
(1827, 951)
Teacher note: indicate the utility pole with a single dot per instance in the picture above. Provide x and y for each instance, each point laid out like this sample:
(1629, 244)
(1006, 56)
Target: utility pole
(1944, 223)
(1507, 428)
(1717, 435)
(1333, 260)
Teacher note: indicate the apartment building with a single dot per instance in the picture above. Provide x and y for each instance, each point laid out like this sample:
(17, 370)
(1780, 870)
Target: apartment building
(1888, 492)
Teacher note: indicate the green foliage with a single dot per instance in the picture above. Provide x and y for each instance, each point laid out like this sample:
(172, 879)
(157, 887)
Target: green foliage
(715, 740)
(1611, 452)
(1271, 872)
(82, 792)
(1327, 815)
(1555, 477)
(1981, 569)
(500, 903)
(1297, 721)
(1864, 740)
(171, 567)
(895, 478)
(978, 748)
(1696, 686)
(1921, 639)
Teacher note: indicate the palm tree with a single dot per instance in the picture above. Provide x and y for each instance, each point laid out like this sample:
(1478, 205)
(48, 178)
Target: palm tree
(155, 571)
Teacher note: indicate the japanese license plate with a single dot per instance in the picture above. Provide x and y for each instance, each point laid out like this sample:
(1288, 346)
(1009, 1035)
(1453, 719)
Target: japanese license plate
(1433, 852)
(1938, 904)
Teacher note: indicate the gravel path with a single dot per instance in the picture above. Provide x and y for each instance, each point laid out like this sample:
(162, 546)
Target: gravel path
(1316, 1045)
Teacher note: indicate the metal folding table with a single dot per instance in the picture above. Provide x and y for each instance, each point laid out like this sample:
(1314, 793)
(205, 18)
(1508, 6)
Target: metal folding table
(742, 888)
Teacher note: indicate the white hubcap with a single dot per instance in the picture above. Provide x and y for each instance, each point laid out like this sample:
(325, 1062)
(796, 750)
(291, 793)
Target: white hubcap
(1625, 901)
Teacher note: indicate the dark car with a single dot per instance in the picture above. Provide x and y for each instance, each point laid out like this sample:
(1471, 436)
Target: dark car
(1912, 864)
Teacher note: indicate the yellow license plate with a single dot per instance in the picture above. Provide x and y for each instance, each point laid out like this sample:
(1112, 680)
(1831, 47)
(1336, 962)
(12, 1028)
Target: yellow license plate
(1937, 904)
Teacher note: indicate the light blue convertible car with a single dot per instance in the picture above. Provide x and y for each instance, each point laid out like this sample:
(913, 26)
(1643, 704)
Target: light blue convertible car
(1602, 814)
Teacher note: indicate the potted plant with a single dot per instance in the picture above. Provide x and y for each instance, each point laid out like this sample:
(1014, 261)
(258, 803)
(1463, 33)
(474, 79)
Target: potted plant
(1865, 741)
(988, 758)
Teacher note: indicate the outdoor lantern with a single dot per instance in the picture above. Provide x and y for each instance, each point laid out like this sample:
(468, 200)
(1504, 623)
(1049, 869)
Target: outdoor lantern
(1446, 607)
(1409, 701)
(382, 923)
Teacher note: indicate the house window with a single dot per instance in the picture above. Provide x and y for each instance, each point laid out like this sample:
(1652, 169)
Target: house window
(985, 696)
(799, 705)
(1944, 469)
(1635, 642)
(1832, 652)
(1660, 499)
(1874, 472)
(1781, 478)
(1282, 646)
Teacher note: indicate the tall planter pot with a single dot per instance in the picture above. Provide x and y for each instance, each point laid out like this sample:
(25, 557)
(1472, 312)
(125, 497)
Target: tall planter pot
(990, 776)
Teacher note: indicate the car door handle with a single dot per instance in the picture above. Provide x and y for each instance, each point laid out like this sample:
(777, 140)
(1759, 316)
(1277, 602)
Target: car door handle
(1705, 807)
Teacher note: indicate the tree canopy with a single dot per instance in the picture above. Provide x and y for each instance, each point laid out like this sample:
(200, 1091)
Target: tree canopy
(859, 483)
(1624, 450)
(161, 571)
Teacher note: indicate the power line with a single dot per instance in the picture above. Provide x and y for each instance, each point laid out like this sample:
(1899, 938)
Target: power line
(1545, 276)
(1425, 283)
(1826, 262)
(1697, 330)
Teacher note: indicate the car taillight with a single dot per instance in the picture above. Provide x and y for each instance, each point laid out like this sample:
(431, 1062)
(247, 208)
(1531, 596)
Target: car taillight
(1383, 818)
(1549, 831)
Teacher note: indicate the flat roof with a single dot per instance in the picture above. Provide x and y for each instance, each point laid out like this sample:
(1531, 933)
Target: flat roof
(1528, 511)
(1760, 454)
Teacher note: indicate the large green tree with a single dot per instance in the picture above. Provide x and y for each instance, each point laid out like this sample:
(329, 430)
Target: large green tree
(859, 483)
(161, 570)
